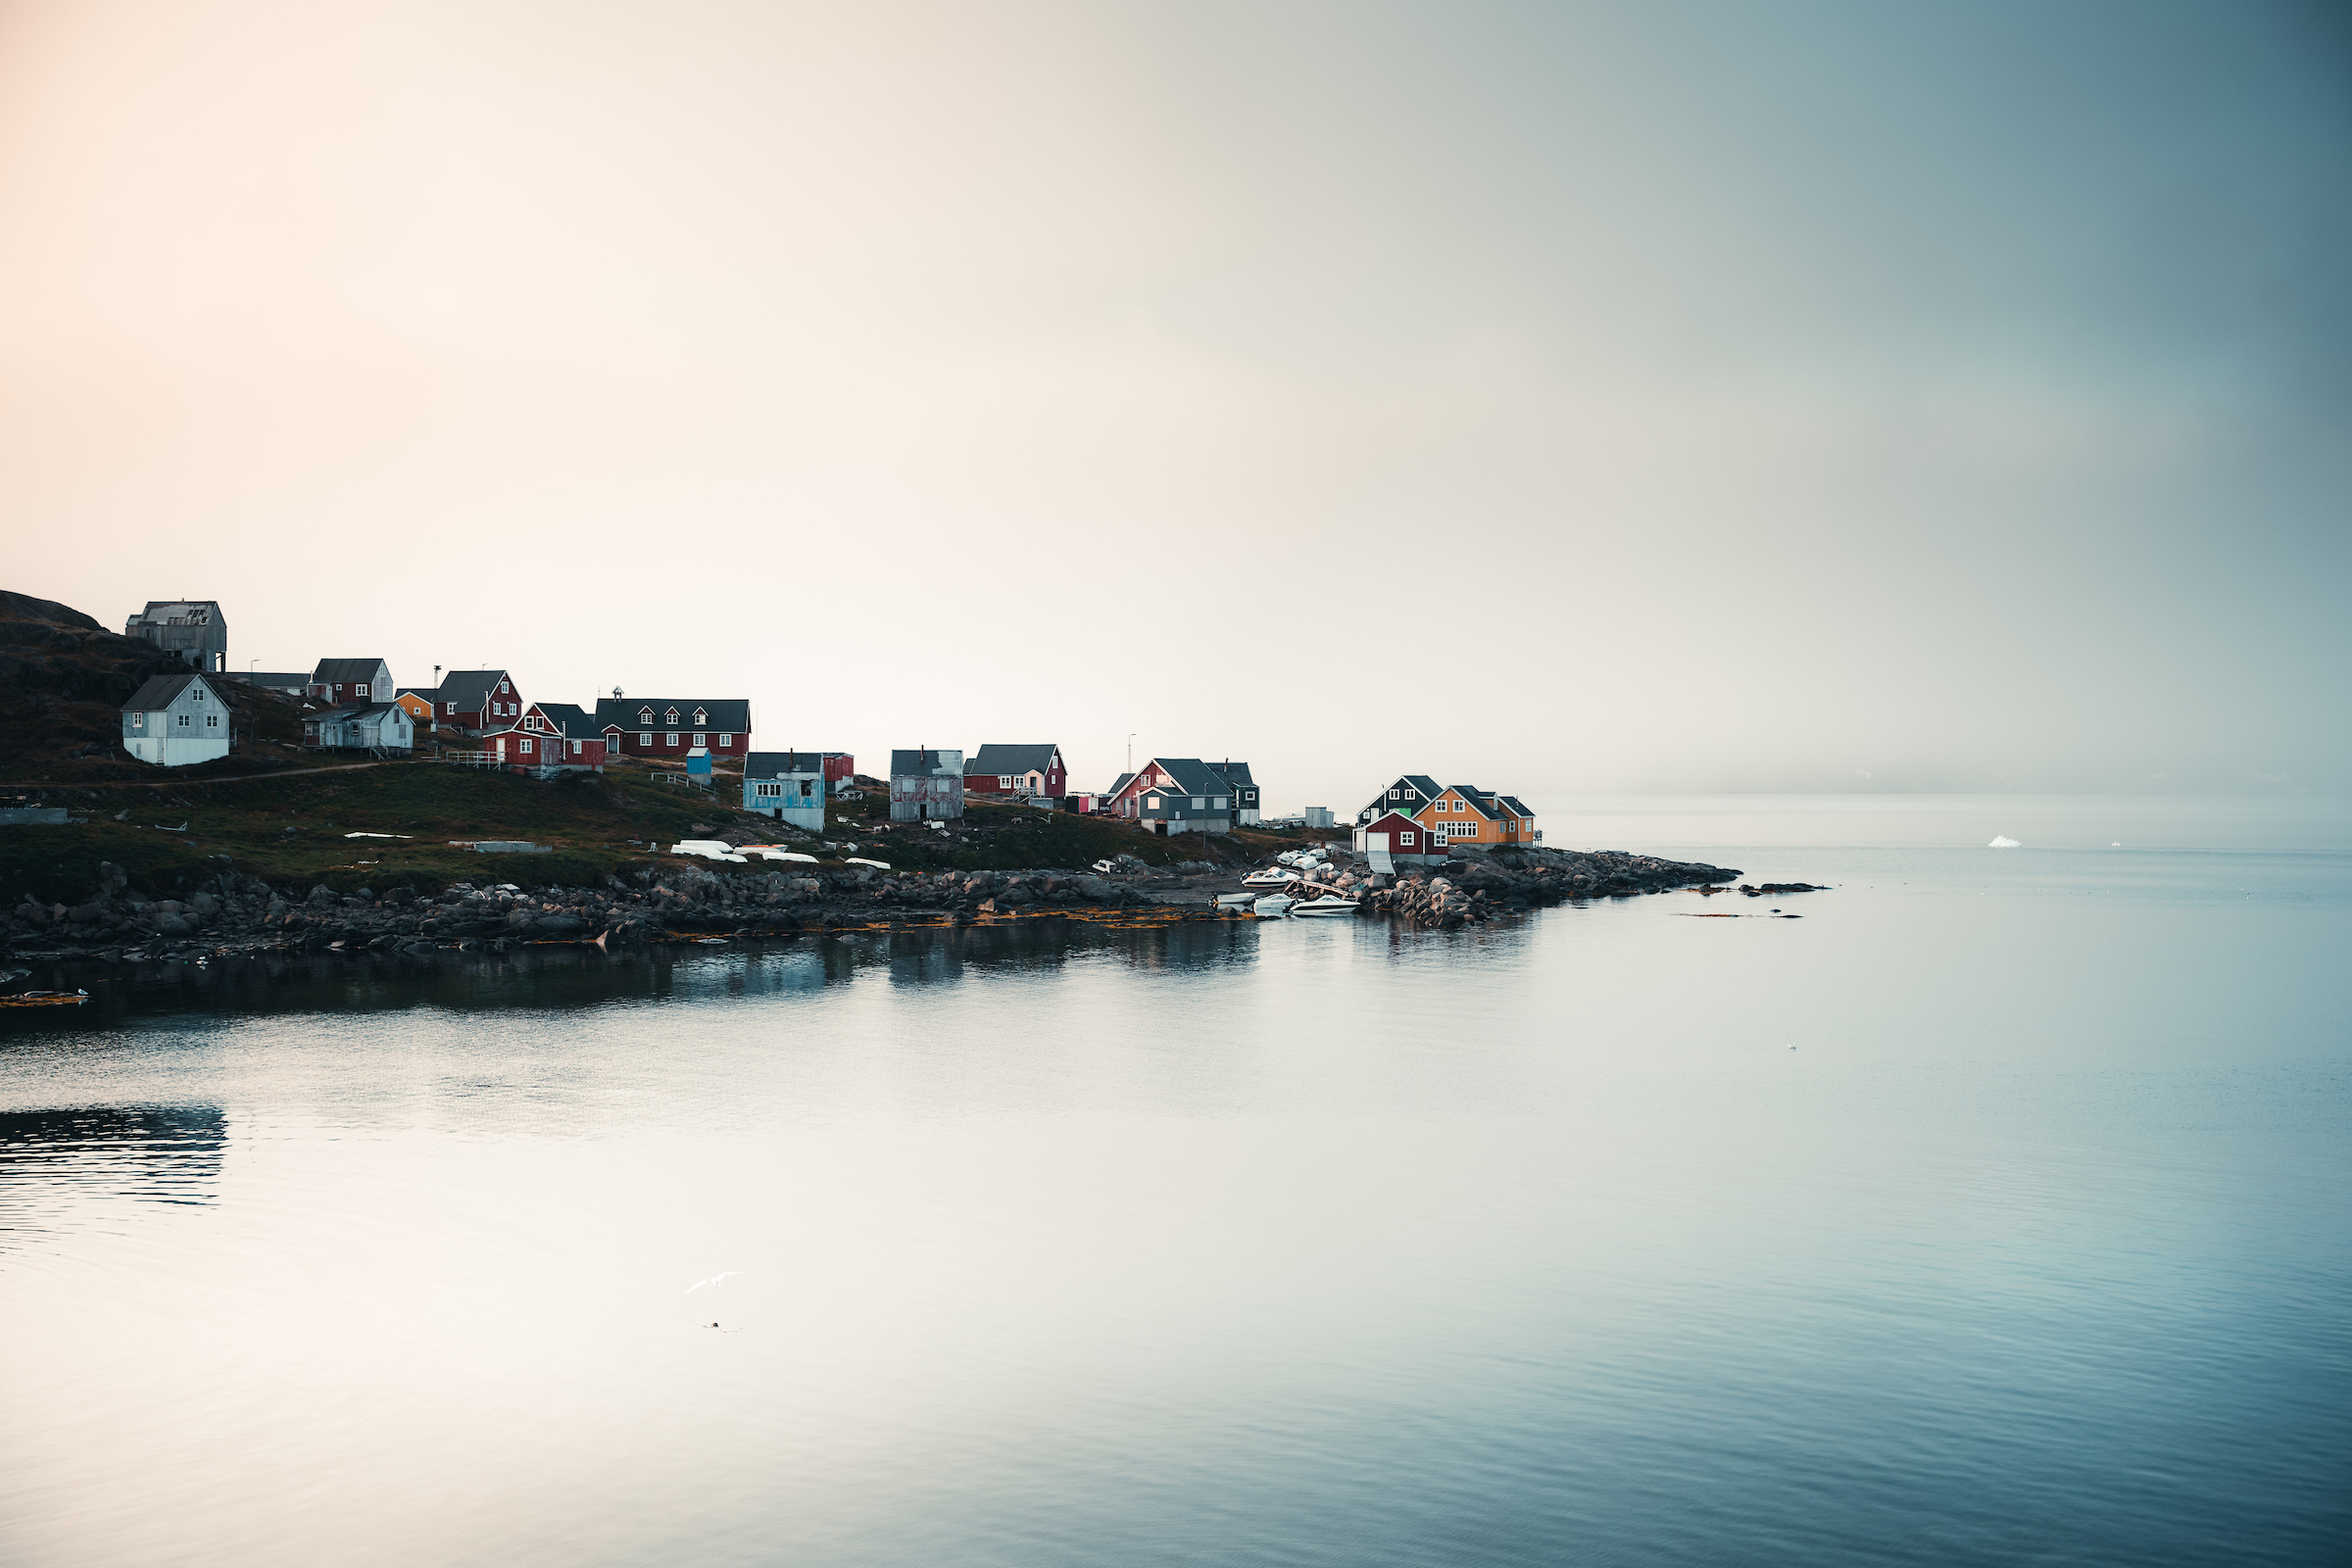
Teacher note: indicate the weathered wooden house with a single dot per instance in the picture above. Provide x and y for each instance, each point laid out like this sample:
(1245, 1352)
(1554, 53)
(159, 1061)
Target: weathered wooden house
(193, 629)
(175, 721)
(1407, 795)
(669, 727)
(360, 681)
(789, 786)
(926, 784)
(477, 701)
(1018, 771)
(1175, 795)
(377, 728)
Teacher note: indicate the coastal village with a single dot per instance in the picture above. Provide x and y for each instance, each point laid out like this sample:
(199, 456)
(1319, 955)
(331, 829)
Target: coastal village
(334, 808)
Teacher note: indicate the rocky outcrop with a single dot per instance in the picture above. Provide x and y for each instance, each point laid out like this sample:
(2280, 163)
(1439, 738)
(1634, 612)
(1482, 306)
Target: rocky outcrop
(231, 911)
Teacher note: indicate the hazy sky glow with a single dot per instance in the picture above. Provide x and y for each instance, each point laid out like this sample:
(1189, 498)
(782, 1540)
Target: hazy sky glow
(1549, 398)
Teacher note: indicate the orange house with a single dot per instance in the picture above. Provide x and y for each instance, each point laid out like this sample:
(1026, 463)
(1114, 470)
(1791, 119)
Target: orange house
(418, 706)
(1466, 814)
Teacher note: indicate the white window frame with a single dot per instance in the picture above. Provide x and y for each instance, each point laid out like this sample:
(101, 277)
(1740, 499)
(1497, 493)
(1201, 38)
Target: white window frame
(702, 739)
(183, 721)
(727, 737)
(645, 736)
(526, 746)
(669, 738)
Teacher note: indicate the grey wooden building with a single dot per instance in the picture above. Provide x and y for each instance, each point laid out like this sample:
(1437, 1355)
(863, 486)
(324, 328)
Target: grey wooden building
(194, 629)
(926, 784)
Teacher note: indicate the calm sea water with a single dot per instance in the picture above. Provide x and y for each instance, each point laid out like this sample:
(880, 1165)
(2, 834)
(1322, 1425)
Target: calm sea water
(1998, 1211)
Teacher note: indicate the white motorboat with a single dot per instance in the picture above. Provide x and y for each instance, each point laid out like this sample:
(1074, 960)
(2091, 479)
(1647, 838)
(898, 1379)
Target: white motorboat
(1288, 858)
(1273, 906)
(1327, 904)
(1236, 900)
(1270, 878)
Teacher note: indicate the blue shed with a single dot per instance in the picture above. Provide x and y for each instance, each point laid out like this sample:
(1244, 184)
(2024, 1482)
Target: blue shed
(789, 786)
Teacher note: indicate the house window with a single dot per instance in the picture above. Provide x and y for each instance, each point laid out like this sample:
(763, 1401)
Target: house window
(671, 717)
(502, 688)
(645, 736)
(702, 740)
(450, 707)
(360, 690)
(1153, 802)
(1396, 795)
(725, 739)
(1198, 803)
(1219, 803)
(701, 717)
(1404, 837)
(672, 739)
(1005, 781)
(576, 746)
(526, 746)
(212, 721)
(183, 721)
(645, 715)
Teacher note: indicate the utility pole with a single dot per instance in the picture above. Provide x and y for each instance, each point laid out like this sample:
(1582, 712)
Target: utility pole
(1131, 750)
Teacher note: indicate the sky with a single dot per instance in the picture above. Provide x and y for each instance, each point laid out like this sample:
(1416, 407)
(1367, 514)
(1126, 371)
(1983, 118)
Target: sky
(1557, 399)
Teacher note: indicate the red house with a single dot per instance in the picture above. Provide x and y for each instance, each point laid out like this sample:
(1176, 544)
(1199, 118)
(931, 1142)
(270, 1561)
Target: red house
(669, 727)
(551, 735)
(477, 701)
(1016, 770)
(1400, 838)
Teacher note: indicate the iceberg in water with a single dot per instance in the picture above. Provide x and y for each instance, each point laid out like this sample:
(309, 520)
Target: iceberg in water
(2000, 843)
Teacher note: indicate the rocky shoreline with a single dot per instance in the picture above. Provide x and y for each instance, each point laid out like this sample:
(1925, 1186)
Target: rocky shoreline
(233, 913)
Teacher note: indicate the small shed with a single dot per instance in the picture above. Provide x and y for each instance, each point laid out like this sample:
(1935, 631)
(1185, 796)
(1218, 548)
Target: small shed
(789, 786)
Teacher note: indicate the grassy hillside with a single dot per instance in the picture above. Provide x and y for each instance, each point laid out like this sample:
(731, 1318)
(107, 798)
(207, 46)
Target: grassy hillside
(178, 829)
(64, 679)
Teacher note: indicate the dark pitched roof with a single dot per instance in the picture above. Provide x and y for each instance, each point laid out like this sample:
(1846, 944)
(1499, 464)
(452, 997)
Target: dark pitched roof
(160, 691)
(469, 689)
(1480, 801)
(1192, 776)
(1001, 759)
(907, 764)
(569, 719)
(349, 711)
(732, 714)
(1119, 783)
(1512, 801)
(414, 691)
(768, 765)
(1234, 773)
(276, 679)
(346, 670)
(179, 611)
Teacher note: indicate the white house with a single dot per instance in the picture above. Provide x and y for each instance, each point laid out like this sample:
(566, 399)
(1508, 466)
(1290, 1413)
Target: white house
(789, 786)
(377, 727)
(175, 721)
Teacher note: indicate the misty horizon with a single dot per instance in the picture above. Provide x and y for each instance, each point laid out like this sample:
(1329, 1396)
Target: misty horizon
(1677, 399)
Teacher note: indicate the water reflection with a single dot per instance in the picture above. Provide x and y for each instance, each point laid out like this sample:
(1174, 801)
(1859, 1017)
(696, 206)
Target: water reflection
(543, 978)
(162, 1153)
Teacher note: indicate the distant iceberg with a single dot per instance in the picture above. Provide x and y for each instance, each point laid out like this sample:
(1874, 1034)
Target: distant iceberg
(2000, 843)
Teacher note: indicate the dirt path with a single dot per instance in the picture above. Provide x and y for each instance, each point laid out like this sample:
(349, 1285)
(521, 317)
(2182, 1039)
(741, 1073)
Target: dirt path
(182, 783)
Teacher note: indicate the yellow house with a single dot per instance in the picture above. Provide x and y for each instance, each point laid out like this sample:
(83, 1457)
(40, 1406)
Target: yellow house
(1466, 814)
(418, 706)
